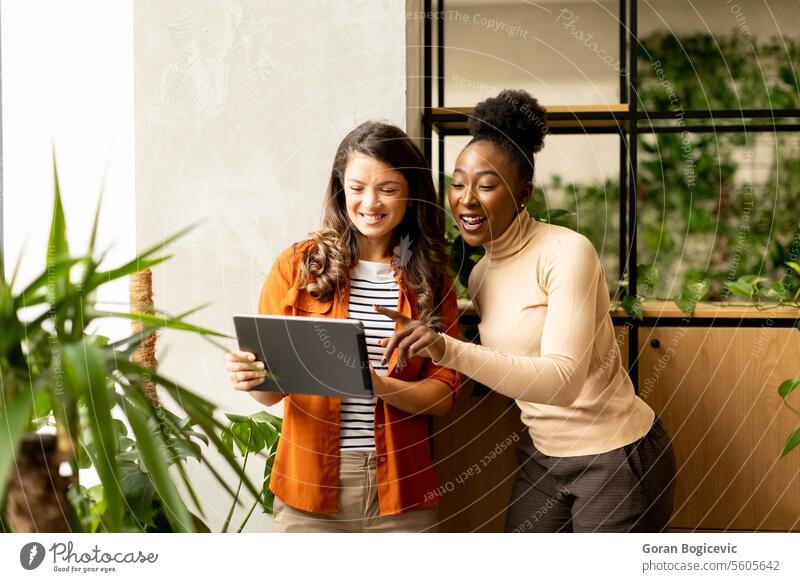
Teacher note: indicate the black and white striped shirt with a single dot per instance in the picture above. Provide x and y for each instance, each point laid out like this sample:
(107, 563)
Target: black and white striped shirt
(370, 283)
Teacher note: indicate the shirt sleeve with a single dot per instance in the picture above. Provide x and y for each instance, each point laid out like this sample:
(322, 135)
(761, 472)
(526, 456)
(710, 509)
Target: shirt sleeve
(276, 287)
(571, 279)
(449, 314)
(275, 290)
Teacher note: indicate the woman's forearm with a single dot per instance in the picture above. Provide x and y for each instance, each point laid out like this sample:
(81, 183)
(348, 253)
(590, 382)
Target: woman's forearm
(555, 380)
(556, 376)
(266, 398)
(428, 396)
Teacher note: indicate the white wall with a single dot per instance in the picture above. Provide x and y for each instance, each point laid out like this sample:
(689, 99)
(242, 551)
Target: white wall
(67, 85)
(239, 109)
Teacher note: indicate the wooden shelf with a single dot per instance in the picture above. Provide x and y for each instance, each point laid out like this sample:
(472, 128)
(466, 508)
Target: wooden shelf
(559, 118)
(718, 310)
(579, 119)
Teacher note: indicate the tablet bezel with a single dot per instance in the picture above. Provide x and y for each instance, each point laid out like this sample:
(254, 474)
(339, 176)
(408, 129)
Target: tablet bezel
(348, 335)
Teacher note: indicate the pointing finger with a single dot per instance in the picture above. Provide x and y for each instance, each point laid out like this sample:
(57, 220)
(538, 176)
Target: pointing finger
(391, 313)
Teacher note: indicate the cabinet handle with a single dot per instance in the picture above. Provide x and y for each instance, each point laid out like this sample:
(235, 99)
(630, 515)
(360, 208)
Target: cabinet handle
(655, 343)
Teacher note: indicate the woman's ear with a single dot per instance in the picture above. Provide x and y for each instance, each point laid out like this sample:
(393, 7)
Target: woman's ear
(524, 195)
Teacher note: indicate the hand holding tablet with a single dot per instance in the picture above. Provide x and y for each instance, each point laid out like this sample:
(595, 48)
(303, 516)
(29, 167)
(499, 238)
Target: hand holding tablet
(244, 372)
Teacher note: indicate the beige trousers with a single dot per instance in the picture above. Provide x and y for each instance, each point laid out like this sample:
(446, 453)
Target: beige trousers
(358, 505)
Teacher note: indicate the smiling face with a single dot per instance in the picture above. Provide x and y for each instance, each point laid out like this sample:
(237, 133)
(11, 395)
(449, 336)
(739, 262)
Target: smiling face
(376, 197)
(485, 195)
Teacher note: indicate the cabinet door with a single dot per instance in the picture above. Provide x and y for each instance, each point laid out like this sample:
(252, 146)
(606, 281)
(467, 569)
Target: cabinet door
(716, 390)
(474, 454)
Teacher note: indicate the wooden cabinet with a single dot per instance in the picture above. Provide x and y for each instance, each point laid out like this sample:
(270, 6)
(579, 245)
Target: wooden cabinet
(717, 395)
(474, 449)
(716, 391)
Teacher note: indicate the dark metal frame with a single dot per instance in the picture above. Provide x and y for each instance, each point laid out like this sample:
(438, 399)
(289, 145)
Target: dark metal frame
(629, 126)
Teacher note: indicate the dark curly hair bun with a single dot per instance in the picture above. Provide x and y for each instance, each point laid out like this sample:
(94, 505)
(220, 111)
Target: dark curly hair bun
(513, 115)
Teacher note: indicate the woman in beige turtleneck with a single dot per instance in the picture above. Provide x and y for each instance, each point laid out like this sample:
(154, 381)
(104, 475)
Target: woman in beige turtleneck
(598, 459)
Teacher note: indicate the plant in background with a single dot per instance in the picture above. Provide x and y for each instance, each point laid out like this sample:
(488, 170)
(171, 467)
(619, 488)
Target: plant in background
(715, 205)
(784, 390)
(788, 386)
(711, 208)
(55, 372)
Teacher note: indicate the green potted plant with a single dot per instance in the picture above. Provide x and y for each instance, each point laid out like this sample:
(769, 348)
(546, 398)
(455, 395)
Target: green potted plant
(55, 374)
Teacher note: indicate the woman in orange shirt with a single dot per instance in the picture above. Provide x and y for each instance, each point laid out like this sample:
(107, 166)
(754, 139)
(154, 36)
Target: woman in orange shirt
(360, 464)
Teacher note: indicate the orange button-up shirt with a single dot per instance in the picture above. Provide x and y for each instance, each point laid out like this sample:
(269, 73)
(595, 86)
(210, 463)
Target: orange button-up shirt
(305, 473)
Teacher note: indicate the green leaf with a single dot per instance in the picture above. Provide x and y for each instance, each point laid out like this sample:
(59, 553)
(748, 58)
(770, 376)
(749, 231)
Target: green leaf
(227, 440)
(129, 268)
(199, 436)
(788, 387)
(787, 76)
(85, 370)
(120, 427)
(157, 320)
(791, 442)
(794, 266)
(84, 455)
(200, 410)
(751, 280)
(741, 289)
(268, 495)
(267, 436)
(57, 247)
(633, 306)
(190, 488)
(36, 291)
(95, 224)
(693, 293)
(42, 405)
(264, 416)
(241, 436)
(139, 492)
(131, 342)
(160, 245)
(57, 250)
(14, 415)
(775, 291)
(184, 448)
(686, 304)
(150, 447)
(647, 278)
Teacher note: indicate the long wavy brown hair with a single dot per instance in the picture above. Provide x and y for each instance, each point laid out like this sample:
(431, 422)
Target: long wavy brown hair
(418, 241)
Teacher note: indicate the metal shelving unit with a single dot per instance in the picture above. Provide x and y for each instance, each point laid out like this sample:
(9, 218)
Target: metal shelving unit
(624, 119)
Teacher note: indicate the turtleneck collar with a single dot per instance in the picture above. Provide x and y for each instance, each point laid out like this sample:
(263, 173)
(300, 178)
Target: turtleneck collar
(513, 239)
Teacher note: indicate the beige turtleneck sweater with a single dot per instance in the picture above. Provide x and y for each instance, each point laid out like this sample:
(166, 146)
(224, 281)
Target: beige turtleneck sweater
(548, 341)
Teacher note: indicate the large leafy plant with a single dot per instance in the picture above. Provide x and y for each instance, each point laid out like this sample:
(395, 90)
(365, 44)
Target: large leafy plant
(53, 370)
(257, 434)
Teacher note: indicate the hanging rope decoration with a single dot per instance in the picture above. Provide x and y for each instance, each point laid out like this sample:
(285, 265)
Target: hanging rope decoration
(141, 297)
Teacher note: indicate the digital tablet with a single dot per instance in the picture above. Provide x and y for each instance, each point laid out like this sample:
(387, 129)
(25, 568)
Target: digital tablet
(308, 355)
